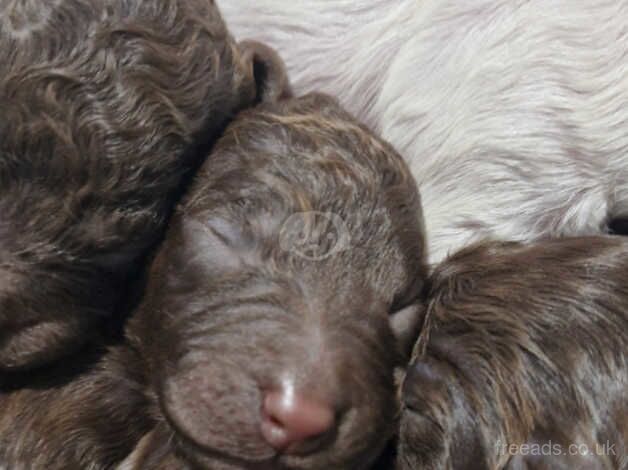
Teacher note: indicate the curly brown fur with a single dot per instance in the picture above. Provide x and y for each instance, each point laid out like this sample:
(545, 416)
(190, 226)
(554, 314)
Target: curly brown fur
(293, 252)
(523, 362)
(84, 413)
(104, 106)
(295, 256)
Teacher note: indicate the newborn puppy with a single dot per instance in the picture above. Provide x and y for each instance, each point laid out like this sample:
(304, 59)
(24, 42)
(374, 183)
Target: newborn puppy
(511, 115)
(523, 361)
(104, 107)
(267, 319)
(276, 310)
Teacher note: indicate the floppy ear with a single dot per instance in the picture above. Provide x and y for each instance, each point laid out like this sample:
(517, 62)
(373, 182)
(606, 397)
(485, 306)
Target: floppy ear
(29, 346)
(406, 325)
(35, 331)
(269, 71)
(408, 314)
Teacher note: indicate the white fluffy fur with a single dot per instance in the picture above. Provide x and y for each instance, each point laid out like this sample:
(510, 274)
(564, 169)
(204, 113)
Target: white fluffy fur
(512, 114)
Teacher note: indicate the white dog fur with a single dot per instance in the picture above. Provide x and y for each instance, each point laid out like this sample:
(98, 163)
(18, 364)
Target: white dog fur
(512, 114)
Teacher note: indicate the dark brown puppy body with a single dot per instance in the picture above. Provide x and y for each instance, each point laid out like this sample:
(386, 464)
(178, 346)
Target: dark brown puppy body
(87, 412)
(271, 324)
(104, 104)
(526, 360)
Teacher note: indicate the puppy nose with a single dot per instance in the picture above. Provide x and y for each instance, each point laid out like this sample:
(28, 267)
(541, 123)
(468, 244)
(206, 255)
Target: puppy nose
(289, 418)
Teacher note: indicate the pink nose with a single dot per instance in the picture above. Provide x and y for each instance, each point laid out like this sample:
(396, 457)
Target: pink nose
(289, 418)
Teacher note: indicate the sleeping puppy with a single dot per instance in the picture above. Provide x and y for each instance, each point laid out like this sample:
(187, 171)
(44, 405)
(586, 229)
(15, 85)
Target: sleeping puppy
(523, 360)
(511, 115)
(276, 310)
(105, 105)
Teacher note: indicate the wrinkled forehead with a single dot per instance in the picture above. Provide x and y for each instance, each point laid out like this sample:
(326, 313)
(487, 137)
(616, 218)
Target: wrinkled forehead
(299, 191)
(310, 261)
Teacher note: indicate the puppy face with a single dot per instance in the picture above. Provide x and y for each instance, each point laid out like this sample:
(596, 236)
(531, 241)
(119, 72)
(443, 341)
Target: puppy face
(273, 308)
(107, 106)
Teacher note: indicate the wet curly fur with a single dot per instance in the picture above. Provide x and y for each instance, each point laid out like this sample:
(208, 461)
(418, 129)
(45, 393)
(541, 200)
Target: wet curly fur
(235, 303)
(104, 108)
(523, 360)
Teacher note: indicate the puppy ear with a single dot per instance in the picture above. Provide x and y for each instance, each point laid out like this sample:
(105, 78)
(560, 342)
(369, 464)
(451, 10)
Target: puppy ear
(34, 331)
(27, 346)
(406, 324)
(269, 71)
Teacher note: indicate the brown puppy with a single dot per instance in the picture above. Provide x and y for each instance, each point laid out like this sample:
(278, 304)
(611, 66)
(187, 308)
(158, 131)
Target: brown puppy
(523, 361)
(104, 107)
(276, 311)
